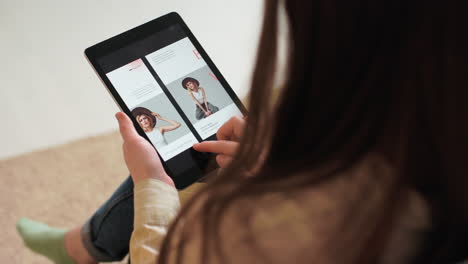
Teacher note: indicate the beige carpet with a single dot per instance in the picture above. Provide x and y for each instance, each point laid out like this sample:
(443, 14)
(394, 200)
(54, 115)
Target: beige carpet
(61, 186)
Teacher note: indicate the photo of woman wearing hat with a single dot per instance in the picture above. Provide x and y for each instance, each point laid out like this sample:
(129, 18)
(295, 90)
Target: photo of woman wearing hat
(148, 119)
(198, 94)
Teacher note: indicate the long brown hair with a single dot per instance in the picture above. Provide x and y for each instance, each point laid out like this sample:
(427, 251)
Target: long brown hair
(385, 76)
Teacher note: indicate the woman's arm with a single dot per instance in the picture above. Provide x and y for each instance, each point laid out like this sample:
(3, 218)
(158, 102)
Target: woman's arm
(198, 103)
(173, 124)
(156, 204)
(204, 99)
(156, 201)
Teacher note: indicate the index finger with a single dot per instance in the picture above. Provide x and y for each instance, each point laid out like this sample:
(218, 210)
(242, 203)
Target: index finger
(219, 147)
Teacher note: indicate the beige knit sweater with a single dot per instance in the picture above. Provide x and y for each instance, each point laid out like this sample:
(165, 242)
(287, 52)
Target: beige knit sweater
(288, 228)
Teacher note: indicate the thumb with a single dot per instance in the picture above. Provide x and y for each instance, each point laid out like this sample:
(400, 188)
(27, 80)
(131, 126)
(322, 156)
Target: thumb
(127, 130)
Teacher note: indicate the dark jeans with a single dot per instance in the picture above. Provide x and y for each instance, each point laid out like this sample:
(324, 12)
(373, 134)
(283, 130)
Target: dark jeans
(106, 235)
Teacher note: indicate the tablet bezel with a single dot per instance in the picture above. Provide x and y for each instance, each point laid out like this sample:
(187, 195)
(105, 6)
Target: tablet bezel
(204, 162)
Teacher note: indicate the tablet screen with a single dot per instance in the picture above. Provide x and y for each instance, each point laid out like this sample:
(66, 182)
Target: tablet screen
(196, 89)
(157, 116)
(174, 94)
(171, 90)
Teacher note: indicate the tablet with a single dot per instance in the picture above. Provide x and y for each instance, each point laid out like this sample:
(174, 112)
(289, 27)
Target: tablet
(160, 76)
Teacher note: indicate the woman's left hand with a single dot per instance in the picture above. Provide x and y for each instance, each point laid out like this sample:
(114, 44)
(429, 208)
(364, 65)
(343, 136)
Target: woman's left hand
(140, 156)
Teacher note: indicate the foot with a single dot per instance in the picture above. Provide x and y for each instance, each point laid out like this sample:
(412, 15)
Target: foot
(45, 240)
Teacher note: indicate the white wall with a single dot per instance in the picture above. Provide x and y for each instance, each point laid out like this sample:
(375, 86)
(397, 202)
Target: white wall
(49, 94)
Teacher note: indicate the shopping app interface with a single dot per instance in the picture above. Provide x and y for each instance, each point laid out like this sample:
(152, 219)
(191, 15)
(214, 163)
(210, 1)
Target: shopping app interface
(179, 99)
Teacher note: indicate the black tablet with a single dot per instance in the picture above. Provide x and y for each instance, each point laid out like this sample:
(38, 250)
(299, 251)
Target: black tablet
(159, 75)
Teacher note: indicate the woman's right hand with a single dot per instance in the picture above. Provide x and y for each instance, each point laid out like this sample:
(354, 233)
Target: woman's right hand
(158, 116)
(226, 146)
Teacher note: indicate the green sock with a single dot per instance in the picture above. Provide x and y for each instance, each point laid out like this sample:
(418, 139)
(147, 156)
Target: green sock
(45, 240)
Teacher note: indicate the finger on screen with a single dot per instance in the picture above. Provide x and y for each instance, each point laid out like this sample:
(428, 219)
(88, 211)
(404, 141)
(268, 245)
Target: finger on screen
(219, 147)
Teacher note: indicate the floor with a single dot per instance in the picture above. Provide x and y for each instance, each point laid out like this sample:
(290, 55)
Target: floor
(61, 186)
